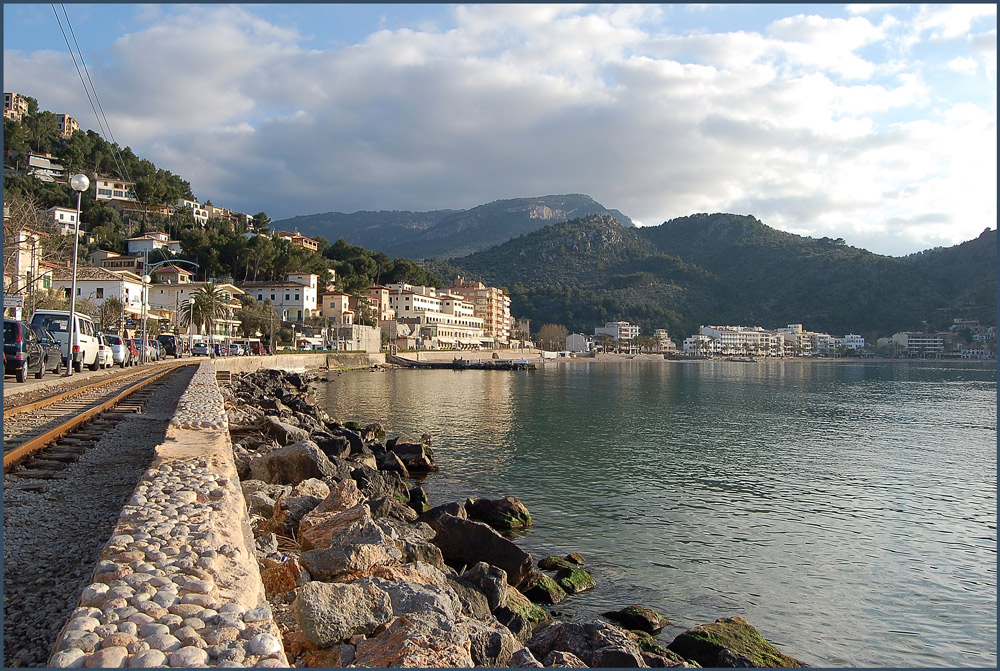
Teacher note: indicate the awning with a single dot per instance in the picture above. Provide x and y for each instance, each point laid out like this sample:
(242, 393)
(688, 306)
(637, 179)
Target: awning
(449, 341)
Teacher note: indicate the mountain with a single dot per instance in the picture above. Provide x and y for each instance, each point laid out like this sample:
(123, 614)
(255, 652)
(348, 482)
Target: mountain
(731, 269)
(447, 233)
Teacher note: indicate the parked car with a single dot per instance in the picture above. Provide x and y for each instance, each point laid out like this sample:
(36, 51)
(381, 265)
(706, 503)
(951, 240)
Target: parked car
(22, 352)
(236, 349)
(199, 349)
(169, 343)
(105, 357)
(219, 350)
(133, 351)
(53, 349)
(85, 348)
(120, 354)
(147, 352)
(161, 351)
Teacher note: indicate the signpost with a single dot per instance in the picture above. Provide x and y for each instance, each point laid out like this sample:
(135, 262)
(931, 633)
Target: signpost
(16, 302)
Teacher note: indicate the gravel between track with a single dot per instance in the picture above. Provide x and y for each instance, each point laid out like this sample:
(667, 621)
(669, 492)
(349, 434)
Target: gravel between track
(52, 540)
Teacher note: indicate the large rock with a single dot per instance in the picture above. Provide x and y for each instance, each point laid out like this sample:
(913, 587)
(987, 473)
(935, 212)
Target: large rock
(474, 602)
(332, 446)
(731, 638)
(598, 644)
(574, 580)
(354, 550)
(492, 645)
(282, 432)
(318, 530)
(543, 589)
(328, 613)
(375, 484)
(638, 617)
(292, 464)
(289, 510)
(343, 495)
(414, 456)
(411, 597)
(284, 577)
(563, 660)
(389, 506)
(464, 543)
(416, 640)
(491, 581)
(503, 514)
(453, 508)
(522, 605)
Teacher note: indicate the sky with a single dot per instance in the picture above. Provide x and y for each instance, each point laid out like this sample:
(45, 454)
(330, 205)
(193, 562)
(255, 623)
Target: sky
(871, 123)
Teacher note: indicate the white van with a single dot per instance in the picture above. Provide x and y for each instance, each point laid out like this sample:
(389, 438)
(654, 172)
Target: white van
(87, 343)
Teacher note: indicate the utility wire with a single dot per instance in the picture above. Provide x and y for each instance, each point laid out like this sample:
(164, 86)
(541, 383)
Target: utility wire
(102, 119)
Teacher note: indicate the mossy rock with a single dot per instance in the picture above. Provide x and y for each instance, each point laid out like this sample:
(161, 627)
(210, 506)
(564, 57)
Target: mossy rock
(504, 514)
(354, 426)
(555, 564)
(638, 617)
(575, 580)
(521, 604)
(545, 590)
(731, 637)
(650, 645)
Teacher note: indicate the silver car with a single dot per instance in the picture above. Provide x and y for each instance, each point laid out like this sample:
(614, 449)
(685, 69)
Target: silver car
(120, 354)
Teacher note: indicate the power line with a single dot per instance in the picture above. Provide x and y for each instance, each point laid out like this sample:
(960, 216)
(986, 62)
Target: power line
(104, 124)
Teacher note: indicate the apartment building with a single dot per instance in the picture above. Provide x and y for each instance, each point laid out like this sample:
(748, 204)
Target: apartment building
(168, 301)
(15, 106)
(336, 306)
(67, 125)
(439, 321)
(914, 344)
(491, 304)
(295, 299)
(198, 213)
(618, 331)
(99, 284)
(745, 339)
(298, 240)
(149, 242)
(172, 274)
(63, 218)
(44, 168)
(112, 188)
(379, 297)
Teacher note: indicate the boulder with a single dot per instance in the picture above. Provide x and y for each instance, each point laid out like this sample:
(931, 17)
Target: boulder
(411, 597)
(414, 457)
(292, 464)
(543, 589)
(474, 603)
(289, 510)
(284, 577)
(283, 432)
(464, 542)
(574, 580)
(638, 617)
(343, 495)
(453, 508)
(354, 550)
(523, 659)
(491, 644)
(521, 604)
(332, 446)
(389, 461)
(733, 636)
(372, 432)
(418, 500)
(556, 563)
(516, 623)
(563, 660)
(504, 514)
(416, 641)
(491, 581)
(353, 439)
(388, 506)
(598, 644)
(329, 613)
(318, 530)
(375, 484)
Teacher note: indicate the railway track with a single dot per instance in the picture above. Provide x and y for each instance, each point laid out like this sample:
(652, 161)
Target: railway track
(43, 437)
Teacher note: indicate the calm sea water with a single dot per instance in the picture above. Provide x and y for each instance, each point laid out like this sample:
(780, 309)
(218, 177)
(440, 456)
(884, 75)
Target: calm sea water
(847, 509)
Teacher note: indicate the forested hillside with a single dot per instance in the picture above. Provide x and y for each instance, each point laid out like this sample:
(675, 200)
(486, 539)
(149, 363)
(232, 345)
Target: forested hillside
(731, 269)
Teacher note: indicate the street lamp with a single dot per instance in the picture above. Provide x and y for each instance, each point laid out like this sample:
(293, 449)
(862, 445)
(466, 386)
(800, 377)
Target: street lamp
(79, 183)
(146, 279)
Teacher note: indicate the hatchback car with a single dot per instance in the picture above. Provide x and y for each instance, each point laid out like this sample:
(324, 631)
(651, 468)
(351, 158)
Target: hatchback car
(105, 356)
(54, 358)
(120, 354)
(22, 352)
(169, 343)
(199, 349)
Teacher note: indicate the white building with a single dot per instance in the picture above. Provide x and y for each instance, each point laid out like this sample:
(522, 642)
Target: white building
(295, 299)
(199, 213)
(853, 341)
(577, 342)
(111, 188)
(63, 218)
(439, 320)
(150, 242)
(99, 284)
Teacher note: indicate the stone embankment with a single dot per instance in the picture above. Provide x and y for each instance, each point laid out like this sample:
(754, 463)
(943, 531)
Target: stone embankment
(268, 534)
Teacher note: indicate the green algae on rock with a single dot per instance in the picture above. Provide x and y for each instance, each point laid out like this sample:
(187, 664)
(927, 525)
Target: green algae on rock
(575, 580)
(736, 640)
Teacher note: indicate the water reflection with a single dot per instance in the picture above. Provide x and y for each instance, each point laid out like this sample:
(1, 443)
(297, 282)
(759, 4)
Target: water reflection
(795, 494)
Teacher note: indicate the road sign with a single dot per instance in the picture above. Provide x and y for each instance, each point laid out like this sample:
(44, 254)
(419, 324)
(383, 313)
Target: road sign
(13, 302)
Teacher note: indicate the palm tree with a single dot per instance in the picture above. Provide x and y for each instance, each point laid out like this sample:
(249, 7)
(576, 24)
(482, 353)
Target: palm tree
(205, 306)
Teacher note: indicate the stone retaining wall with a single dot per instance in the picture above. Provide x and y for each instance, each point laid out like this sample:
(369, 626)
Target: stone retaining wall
(178, 583)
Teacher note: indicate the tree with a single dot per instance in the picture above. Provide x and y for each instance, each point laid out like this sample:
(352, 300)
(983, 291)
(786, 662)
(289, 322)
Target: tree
(256, 317)
(205, 306)
(552, 336)
(109, 315)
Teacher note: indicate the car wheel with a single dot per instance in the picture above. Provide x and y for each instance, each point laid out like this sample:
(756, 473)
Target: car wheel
(94, 366)
(22, 372)
(59, 364)
(41, 371)
(78, 366)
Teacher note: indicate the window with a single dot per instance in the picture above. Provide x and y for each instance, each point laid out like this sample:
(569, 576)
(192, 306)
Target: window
(272, 297)
(100, 293)
(296, 297)
(286, 297)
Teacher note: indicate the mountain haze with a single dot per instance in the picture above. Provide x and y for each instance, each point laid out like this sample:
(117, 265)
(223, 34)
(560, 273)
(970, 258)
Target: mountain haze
(447, 233)
(727, 268)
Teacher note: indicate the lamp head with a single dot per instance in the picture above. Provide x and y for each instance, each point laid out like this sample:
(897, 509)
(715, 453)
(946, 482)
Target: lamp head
(79, 182)
(146, 279)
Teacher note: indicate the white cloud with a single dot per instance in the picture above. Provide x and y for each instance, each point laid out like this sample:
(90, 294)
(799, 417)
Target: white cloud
(798, 124)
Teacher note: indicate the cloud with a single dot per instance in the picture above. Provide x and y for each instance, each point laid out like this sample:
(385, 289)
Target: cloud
(798, 123)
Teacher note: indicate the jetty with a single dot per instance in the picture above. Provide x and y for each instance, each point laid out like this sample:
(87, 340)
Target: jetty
(462, 364)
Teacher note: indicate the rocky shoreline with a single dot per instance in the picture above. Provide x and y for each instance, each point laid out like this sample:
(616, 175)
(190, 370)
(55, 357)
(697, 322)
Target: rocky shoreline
(360, 570)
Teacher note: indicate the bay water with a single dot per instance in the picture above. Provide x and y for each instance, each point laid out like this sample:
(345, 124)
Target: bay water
(847, 509)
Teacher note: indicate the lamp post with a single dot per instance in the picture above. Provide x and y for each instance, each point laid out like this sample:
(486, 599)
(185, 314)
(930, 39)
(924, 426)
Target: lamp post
(79, 183)
(145, 310)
